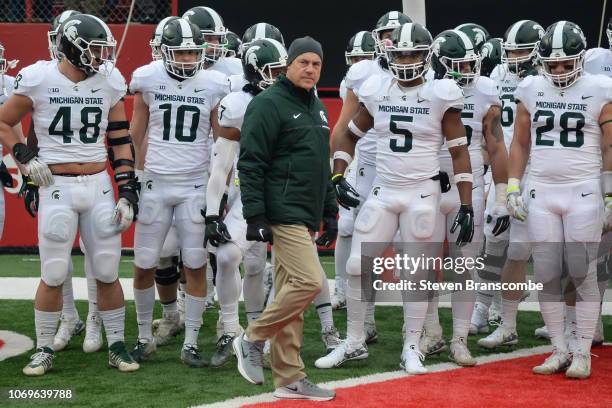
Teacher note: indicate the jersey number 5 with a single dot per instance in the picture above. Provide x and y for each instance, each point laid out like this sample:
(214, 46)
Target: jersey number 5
(394, 145)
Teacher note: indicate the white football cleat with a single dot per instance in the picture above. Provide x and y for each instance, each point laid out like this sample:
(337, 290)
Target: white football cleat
(557, 362)
(580, 367)
(500, 337)
(412, 360)
(341, 354)
(542, 333)
(67, 329)
(480, 319)
(431, 342)
(93, 333)
(460, 354)
(168, 327)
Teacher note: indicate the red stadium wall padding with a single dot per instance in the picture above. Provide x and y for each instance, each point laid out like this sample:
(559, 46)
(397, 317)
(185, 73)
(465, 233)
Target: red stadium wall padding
(20, 230)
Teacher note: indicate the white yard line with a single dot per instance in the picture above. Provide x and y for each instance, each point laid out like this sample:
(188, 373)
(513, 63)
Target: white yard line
(379, 377)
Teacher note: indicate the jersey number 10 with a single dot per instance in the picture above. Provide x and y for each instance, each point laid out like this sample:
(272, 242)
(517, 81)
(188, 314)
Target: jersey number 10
(179, 131)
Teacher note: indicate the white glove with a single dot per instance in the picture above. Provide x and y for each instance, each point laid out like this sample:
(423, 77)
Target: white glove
(123, 215)
(39, 172)
(514, 200)
(608, 214)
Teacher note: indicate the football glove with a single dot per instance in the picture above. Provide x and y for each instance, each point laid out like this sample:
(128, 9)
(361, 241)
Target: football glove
(465, 221)
(608, 213)
(126, 209)
(345, 193)
(216, 232)
(258, 230)
(29, 193)
(500, 212)
(330, 232)
(5, 177)
(39, 172)
(514, 200)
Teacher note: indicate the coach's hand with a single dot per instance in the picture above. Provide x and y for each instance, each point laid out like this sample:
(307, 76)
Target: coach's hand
(216, 232)
(465, 221)
(330, 232)
(514, 200)
(5, 177)
(29, 193)
(258, 230)
(345, 193)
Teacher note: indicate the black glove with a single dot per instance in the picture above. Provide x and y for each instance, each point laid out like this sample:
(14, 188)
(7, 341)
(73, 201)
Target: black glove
(216, 232)
(5, 177)
(330, 232)
(130, 191)
(29, 192)
(258, 230)
(501, 225)
(345, 193)
(464, 220)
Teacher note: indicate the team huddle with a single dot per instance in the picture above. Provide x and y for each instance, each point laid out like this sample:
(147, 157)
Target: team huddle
(458, 137)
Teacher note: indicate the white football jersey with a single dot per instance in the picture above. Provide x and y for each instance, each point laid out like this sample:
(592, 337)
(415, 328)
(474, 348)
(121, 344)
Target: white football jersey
(507, 82)
(6, 87)
(565, 132)
(408, 124)
(598, 61)
(477, 101)
(227, 66)
(237, 82)
(356, 76)
(179, 117)
(70, 118)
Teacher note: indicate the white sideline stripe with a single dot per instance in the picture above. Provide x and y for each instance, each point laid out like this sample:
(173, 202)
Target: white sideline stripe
(379, 377)
(25, 289)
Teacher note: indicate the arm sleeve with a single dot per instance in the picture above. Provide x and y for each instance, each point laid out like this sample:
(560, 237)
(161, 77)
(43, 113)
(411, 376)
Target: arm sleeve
(259, 134)
(221, 165)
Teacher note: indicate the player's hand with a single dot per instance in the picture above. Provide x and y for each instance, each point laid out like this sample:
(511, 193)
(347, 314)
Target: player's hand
(608, 214)
(29, 193)
(39, 172)
(5, 177)
(258, 230)
(465, 221)
(514, 200)
(123, 215)
(345, 193)
(330, 232)
(502, 219)
(216, 232)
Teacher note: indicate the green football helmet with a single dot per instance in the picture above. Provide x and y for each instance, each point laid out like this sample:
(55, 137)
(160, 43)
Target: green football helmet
(54, 30)
(490, 56)
(233, 45)
(155, 42)
(409, 39)
(210, 24)
(360, 45)
(389, 21)
(564, 43)
(259, 31)
(181, 35)
(451, 53)
(522, 35)
(262, 60)
(477, 34)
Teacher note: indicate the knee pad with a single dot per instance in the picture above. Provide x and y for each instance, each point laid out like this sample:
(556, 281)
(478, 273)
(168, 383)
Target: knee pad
(59, 226)
(106, 266)
(54, 271)
(346, 224)
(145, 258)
(167, 276)
(193, 258)
(422, 222)
(367, 218)
(353, 266)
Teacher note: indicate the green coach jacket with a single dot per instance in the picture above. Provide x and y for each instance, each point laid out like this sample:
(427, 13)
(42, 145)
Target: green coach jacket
(284, 164)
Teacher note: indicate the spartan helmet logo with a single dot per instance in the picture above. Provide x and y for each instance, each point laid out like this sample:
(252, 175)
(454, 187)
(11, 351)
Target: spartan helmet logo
(55, 195)
(189, 13)
(437, 44)
(252, 56)
(149, 184)
(479, 36)
(486, 50)
(70, 30)
(539, 29)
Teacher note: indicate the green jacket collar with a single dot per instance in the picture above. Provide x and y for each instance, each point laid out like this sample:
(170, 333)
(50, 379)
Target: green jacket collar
(306, 96)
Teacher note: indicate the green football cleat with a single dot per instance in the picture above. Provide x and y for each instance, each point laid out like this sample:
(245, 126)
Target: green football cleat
(42, 361)
(119, 358)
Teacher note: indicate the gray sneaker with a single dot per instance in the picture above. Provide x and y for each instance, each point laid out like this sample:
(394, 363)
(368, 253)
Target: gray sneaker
(250, 359)
(190, 355)
(224, 350)
(306, 390)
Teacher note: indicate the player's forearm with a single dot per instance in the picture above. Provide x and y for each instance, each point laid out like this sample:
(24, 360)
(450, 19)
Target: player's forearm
(221, 166)
(344, 151)
(519, 153)
(462, 168)
(499, 163)
(8, 137)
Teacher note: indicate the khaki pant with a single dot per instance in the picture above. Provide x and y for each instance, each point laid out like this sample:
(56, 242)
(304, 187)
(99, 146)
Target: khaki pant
(297, 280)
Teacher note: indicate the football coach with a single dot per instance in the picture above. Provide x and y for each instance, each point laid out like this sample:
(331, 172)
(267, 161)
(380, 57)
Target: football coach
(286, 191)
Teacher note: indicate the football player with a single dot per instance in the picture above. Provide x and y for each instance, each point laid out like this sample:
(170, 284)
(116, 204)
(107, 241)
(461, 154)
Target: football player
(6, 89)
(173, 105)
(74, 102)
(360, 47)
(518, 62)
(454, 57)
(406, 190)
(365, 171)
(564, 117)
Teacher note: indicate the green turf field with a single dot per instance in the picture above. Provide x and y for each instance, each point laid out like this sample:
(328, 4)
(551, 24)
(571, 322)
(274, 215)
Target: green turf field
(165, 382)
